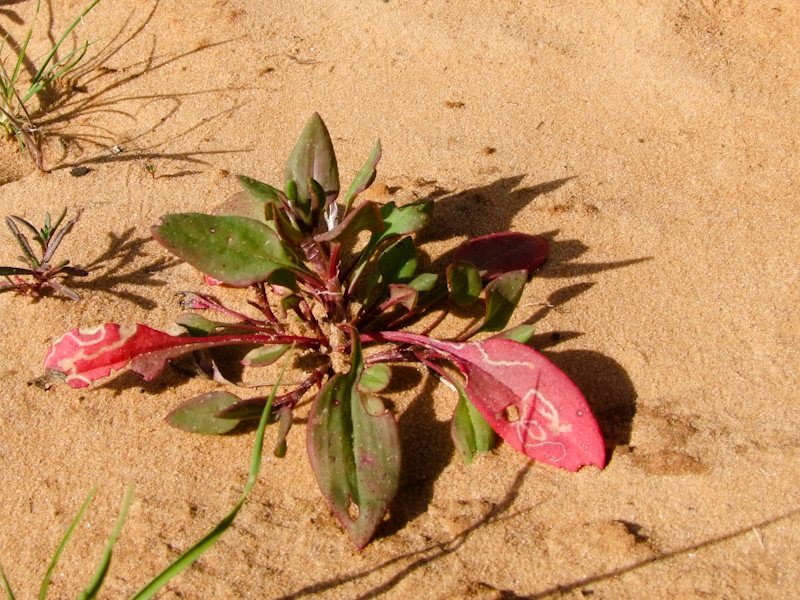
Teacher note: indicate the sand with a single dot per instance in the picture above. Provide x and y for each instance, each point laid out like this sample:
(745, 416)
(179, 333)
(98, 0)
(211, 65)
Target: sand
(653, 143)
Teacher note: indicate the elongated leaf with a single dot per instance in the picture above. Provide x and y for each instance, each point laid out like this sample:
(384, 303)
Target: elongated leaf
(6, 271)
(470, 432)
(364, 177)
(85, 355)
(526, 399)
(366, 217)
(236, 250)
(313, 158)
(354, 450)
(499, 253)
(464, 283)
(197, 415)
(6, 585)
(93, 588)
(502, 297)
(63, 544)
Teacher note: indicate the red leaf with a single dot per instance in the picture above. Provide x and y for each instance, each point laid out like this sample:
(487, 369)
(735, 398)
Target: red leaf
(499, 253)
(87, 354)
(529, 401)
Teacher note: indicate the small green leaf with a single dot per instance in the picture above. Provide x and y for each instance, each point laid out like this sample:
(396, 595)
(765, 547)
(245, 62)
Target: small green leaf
(236, 250)
(470, 432)
(424, 282)
(398, 262)
(375, 378)
(364, 177)
(198, 326)
(464, 283)
(265, 355)
(354, 450)
(502, 297)
(313, 158)
(197, 415)
(521, 333)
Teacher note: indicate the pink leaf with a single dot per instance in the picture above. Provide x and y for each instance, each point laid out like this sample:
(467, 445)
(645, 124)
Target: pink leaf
(526, 399)
(499, 253)
(87, 354)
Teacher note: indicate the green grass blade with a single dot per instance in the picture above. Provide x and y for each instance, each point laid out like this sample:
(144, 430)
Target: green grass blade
(62, 545)
(100, 574)
(50, 56)
(6, 585)
(21, 55)
(191, 555)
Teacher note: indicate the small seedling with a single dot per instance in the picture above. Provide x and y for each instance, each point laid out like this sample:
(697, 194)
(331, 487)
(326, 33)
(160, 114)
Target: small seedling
(151, 169)
(40, 273)
(180, 563)
(15, 119)
(352, 306)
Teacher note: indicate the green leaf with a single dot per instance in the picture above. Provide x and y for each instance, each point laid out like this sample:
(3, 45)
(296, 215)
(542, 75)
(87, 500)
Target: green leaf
(313, 158)
(90, 593)
(375, 378)
(398, 262)
(366, 217)
(464, 283)
(264, 355)
(198, 326)
(70, 530)
(259, 190)
(502, 297)
(236, 250)
(6, 585)
(6, 271)
(424, 282)
(364, 177)
(521, 333)
(197, 415)
(354, 450)
(470, 432)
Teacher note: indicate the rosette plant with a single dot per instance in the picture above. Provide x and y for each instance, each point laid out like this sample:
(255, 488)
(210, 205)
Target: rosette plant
(359, 305)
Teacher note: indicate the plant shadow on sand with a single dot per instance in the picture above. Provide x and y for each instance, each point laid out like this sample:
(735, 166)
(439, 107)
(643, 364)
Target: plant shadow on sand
(112, 269)
(94, 87)
(412, 561)
(426, 443)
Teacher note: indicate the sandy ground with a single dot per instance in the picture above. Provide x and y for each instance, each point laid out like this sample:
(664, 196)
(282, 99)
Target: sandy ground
(654, 144)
